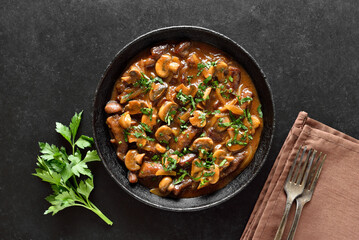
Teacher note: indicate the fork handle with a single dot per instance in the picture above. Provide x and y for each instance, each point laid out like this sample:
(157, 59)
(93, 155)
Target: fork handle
(298, 213)
(281, 227)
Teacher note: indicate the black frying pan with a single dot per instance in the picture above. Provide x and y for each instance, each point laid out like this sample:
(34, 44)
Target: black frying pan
(107, 152)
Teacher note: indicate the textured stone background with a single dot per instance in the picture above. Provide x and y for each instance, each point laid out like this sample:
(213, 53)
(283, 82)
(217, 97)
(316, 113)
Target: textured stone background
(53, 53)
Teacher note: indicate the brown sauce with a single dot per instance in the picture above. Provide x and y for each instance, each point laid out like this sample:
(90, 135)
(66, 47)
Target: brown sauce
(185, 119)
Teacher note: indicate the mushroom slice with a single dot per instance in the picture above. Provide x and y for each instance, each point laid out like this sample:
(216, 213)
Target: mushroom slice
(125, 120)
(221, 158)
(137, 135)
(174, 66)
(139, 158)
(164, 134)
(234, 109)
(113, 107)
(162, 172)
(210, 176)
(255, 121)
(196, 169)
(214, 179)
(235, 143)
(128, 95)
(185, 116)
(222, 124)
(170, 161)
(219, 96)
(170, 95)
(219, 155)
(160, 148)
(118, 134)
(131, 160)
(208, 72)
(157, 91)
(164, 185)
(149, 146)
(206, 93)
(205, 143)
(166, 110)
(133, 75)
(162, 66)
(190, 90)
(148, 62)
(157, 192)
(134, 106)
(221, 71)
(198, 119)
(149, 120)
(252, 126)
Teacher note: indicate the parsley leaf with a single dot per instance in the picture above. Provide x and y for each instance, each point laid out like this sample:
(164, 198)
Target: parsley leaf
(64, 171)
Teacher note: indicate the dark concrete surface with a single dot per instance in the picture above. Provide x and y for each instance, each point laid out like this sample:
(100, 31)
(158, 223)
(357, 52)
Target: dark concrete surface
(53, 53)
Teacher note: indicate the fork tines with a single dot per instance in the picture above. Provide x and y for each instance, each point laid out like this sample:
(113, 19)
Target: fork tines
(302, 167)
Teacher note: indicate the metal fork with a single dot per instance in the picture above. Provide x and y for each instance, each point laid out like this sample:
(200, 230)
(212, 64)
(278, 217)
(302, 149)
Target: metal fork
(295, 183)
(307, 193)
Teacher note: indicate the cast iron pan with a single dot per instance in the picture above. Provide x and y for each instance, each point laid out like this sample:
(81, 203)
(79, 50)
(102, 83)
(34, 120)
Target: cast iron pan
(107, 152)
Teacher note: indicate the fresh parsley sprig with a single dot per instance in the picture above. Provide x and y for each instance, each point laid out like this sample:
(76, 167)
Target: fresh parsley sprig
(63, 170)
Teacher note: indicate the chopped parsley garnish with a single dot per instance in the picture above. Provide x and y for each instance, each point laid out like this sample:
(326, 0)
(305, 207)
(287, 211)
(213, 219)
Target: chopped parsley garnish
(222, 163)
(202, 116)
(146, 82)
(230, 78)
(127, 96)
(183, 98)
(216, 112)
(147, 111)
(246, 99)
(180, 179)
(169, 116)
(249, 117)
(222, 124)
(235, 141)
(155, 157)
(208, 174)
(202, 65)
(146, 127)
(189, 79)
(259, 109)
(207, 80)
(214, 84)
(168, 163)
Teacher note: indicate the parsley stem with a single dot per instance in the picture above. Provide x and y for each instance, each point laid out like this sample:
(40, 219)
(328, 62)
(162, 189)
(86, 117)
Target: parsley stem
(94, 209)
(73, 177)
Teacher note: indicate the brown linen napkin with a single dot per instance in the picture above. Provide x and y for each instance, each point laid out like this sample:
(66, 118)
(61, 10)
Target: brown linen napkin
(333, 212)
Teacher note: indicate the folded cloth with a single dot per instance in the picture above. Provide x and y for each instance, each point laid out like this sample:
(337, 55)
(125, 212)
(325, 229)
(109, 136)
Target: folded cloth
(333, 212)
